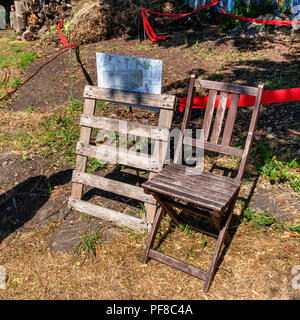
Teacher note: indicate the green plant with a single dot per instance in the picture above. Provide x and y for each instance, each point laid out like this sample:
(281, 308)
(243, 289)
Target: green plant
(120, 167)
(203, 242)
(86, 246)
(59, 133)
(296, 187)
(16, 83)
(259, 220)
(278, 170)
(267, 220)
(76, 105)
(29, 109)
(252, 9)
(186, 229)
(49, 187)
(26, 59)
(143, 212)
(269, 166)
(95, 164)
(102, 105)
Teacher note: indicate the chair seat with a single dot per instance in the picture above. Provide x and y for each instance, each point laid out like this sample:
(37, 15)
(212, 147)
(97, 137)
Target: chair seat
(192, 185)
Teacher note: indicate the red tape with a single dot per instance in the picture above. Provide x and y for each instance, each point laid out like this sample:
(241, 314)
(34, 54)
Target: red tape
(271, 96)
(63, 39)
(273, 22)
(154, 38)
(149, 30)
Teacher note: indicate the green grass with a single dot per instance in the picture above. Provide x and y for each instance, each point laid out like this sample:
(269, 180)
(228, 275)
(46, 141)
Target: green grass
(15, 56)
(94, 165)
(277, 171)
(86, 246)
(267, 220)
(53, 135)
(59, 134)
(26, 59)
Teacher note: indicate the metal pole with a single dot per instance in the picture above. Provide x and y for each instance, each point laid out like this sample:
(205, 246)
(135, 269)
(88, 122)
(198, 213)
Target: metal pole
(71, 74)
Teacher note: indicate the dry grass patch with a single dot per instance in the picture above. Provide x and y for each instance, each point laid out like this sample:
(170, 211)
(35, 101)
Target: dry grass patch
(257, 265)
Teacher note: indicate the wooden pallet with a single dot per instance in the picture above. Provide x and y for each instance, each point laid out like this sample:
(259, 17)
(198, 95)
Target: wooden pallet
(160, 134)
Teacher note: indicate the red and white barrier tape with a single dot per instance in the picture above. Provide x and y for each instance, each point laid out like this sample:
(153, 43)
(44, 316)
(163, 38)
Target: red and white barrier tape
(154, 38)
(271, 96)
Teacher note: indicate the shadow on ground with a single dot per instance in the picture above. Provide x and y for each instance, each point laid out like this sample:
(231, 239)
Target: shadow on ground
(21, 203)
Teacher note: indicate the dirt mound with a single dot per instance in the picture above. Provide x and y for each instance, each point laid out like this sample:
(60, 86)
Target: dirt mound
(105, 19)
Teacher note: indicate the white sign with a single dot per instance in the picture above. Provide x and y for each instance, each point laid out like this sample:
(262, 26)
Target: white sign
(129, 73)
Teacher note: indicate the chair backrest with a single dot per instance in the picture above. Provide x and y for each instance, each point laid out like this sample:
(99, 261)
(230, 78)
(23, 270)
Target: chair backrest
(213, 140)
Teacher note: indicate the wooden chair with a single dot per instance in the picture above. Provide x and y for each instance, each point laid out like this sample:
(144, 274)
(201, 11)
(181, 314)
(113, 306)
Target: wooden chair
(207, 190)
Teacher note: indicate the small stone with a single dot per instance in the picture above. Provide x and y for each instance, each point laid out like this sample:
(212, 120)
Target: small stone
(269, 16)
(4, 163)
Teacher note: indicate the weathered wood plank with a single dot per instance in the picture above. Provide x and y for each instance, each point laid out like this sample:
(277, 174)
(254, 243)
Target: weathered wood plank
(210, 107)
(186, 119)
(199, 181)
(191, 171)
(177, 193)
(213, 147)
(201, 193)
(150, 208)
(219, 118)
(125, 127)
(85, 136)
(161, 101)
(108, 214)
(160, 153)
(182, 266)
(113, 186)
(230, 119)
(115, 155)
(219, 86)
(250, 135)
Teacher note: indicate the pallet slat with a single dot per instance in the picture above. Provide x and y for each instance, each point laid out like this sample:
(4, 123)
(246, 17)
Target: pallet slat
(233, 88)
(113, 186)
(115, 155)
(161, 101)
(107, 214)
(125, 127)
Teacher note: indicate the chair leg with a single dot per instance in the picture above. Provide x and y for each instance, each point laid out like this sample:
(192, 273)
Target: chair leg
(217, 221)
(222, 236)
(167, 208)
(152, 234)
